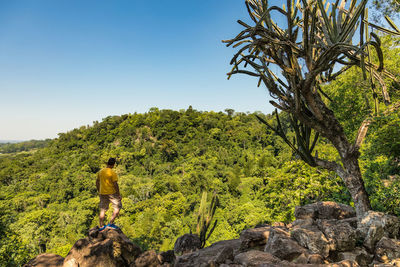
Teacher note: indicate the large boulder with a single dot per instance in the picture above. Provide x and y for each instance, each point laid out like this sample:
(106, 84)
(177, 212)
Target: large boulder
(324, 210)
(186, 244)
(254, 237)
(389, 223)
(375, 225)
(256, 258)
(301, 223)
(313, 239)
(167, 257)
(360, 255)
(387, 249)
(309, 259)
(147, 259)
(342, 235)
(215, 254)
(315, 259)
(372, 236)
(108, 248)
(281, 245)
(46, 260)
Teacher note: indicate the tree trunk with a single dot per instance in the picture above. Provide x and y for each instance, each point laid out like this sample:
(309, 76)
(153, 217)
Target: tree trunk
(350, 173)
(355, 184)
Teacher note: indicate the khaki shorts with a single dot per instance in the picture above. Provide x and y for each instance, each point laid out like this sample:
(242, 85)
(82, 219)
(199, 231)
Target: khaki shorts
(106, 199)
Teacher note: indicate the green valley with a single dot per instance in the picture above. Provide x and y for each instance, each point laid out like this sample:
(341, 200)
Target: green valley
(166, 159)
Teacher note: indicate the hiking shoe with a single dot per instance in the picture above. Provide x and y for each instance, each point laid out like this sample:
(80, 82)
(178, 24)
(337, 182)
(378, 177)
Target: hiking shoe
(113, 226)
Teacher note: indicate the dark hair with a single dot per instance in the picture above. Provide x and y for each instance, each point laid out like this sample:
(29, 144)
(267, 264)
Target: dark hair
(111, 161)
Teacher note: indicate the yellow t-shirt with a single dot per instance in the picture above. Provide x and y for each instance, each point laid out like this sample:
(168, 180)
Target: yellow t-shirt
(107, 177)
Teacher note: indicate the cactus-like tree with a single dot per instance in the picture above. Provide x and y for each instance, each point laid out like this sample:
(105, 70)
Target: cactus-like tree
(205, 217)
(312, 43)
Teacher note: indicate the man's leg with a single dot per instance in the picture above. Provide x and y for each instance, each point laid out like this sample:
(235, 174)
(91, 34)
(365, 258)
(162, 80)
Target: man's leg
(114, 215)
(117, 205)
(102, 217)
(104, 203)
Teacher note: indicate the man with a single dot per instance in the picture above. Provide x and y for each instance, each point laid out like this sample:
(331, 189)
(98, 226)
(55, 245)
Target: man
(107, 186)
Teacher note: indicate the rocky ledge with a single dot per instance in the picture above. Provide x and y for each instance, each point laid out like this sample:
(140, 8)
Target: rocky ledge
(323, 234)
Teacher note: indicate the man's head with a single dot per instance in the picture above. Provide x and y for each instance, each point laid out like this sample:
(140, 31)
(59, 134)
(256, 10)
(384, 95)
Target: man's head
(111, 162)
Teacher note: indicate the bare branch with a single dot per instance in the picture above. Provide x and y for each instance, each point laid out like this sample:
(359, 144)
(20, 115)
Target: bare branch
(362, 131)
(331, 166)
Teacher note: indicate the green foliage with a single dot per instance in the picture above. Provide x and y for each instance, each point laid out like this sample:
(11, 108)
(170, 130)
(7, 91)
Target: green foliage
(381, 162)
(352, 99)
(48, 198)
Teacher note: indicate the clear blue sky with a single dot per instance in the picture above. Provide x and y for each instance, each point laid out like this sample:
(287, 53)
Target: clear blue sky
(67, 63)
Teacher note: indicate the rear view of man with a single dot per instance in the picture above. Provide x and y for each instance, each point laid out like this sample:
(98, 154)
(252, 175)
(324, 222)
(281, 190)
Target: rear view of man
(107, 186)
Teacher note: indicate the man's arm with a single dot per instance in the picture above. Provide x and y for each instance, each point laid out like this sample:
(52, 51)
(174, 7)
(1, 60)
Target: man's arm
(98, 185)
(117, 189)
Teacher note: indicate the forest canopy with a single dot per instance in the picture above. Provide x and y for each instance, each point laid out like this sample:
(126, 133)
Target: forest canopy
(166, 159)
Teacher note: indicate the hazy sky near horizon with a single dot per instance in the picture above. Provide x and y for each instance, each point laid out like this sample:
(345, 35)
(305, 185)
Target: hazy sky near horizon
(67, 63)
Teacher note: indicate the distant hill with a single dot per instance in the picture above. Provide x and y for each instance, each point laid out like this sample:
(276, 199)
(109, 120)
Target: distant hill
(10, 141)
(10, 146)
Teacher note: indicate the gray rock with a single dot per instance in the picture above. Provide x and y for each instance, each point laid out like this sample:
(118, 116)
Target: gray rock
(148, 259)
(45, 260)
(291, 264)
(315, 259)
(302, 259)
(373, 235)
(186, 244)
(209, 255)
(281, 245)
(351, 221)
(224, 255)
(390, 223)
(166, 256)
(324, 210)
(375, 225)
(387, 250)
(256, 258)
(313, 239)
(301, 223)
(254, 237)
(360, 255)
(341, 234)
(108, 248)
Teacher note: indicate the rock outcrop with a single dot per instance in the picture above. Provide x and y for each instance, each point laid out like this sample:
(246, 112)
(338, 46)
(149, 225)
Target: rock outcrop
(323, 234)
(213, 255)
(46, 260)
(186, 244)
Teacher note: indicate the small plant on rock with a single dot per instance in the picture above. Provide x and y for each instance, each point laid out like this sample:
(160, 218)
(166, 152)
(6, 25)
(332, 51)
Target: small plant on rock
(205, 217)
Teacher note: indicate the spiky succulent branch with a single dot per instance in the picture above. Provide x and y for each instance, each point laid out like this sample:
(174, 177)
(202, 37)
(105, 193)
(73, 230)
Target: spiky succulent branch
(314, 46)
(304, 141)
(205, 216)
